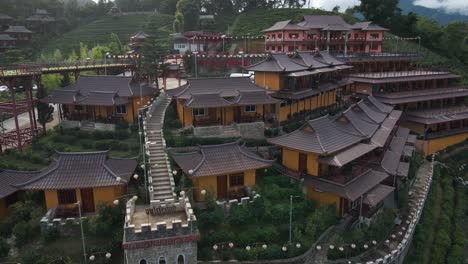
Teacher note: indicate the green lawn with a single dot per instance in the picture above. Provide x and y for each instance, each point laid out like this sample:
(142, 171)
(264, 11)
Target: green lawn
(99, 31)
(264, 221)
(36, 156)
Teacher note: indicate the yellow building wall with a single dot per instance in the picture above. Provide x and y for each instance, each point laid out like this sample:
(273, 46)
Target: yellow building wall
(229, 115)
(187, 116)
(3, 208)
(101, 195)
(291, 159)
(434, 145)
(249, 177)
(180, 112)
(312, 164)
(107, 195)
(208, 183)
(314, 101)
(51, 198)
(324, 198)
(270, 79)
(284, 112)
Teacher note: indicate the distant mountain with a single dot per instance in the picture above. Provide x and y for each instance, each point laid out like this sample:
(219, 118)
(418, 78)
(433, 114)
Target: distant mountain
(439, 15)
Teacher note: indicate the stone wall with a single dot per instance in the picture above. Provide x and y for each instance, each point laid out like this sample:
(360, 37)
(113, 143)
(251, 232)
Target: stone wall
(210, 131)
(89, 125)
(254, 130)
(169, 252)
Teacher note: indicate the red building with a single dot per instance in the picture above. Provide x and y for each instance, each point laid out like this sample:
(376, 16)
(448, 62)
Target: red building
(329, 33)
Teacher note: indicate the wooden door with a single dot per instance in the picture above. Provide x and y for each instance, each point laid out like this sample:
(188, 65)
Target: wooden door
(302, 163)
(87, 200)
(222, 186)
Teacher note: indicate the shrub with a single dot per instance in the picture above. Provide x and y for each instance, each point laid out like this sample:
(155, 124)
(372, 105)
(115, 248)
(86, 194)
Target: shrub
(121, 134)
(121, 124)
(101, 145)
(4, 247)
(87, 144)
(107, 219)
(50, 235)
(23, 232)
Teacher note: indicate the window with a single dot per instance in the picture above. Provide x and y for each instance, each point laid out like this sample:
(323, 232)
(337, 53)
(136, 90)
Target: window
(280, 36)
(279, 48)
(311, 35)
(374, 47)
(374, 36)
(143, 261)
(236, 179)
(66, 196)
(290, 48)
(121, 109)
(180, 259)
(162, 260)
(273, 36)
(250, 108)
(78, 107)
(293, 35)
(199, 111)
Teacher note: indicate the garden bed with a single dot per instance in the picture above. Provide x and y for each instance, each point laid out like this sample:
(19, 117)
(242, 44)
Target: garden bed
(121, 143)
(264, 221)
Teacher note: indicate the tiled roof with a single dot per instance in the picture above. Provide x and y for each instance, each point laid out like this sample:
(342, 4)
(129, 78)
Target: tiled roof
(82, 170)
(103, 98)
(439, 115)
(320, 22)
(139, 35)
(403, 169)
(401, 76)
(325, 57)
(221, 159)
(207, 100)
(422, 95)
(6, 37)
(351, 190)
(5, 17)
(284, 25)
(227, 87)
(307, 58)
(344, 157)
(377, 194)
(327, 135)
(17, 29)
(296, 95)
(322, 136)
(253, 98)
(368, 26)
(336, 27)
(278, 62)
(376, 104)
(99, 90)
(9, 178)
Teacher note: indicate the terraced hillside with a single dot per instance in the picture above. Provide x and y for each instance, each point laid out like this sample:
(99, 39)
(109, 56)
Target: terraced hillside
(98, 32)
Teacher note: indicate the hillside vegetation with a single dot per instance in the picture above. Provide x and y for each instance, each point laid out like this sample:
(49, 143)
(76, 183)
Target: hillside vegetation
(254, 22)
(98, 32)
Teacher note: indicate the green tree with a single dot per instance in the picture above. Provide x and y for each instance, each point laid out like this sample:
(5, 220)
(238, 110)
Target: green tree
(381, 12)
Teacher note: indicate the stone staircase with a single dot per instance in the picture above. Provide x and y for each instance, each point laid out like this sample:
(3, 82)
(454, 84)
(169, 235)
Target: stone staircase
(230, 131)
(161, 182)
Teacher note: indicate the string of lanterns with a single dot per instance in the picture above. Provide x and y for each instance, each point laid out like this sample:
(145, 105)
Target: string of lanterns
(402, 237)
(313, 38)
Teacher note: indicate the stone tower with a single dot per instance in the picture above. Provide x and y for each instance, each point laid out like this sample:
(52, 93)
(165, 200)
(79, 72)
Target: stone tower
(162, 233)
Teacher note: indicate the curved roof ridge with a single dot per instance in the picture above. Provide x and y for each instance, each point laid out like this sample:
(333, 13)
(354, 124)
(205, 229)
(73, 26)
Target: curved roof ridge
(252, 156)
(43, 174)
(270, 55)
(83, 152)
(219, 145)
(277, 62)
(112, 173)
(203, 159)
(183, 90)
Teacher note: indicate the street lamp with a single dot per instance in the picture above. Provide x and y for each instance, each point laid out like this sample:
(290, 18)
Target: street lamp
(117, 201)
(82, 232)
(196, 70)
(290, 216)
(223, 37)
(242, 55)
(105, 62)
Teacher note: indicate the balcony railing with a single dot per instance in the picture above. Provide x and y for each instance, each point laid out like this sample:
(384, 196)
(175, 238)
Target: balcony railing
(445, 133)
(249, 118)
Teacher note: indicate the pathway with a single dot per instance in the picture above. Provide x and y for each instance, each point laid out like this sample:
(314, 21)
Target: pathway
(160, 176)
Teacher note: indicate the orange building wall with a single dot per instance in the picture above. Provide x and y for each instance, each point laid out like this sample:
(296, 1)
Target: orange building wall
(290, 159)
(208, 183)
(270, 79)
(312, 164)
(434, 145)
(324, 198)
